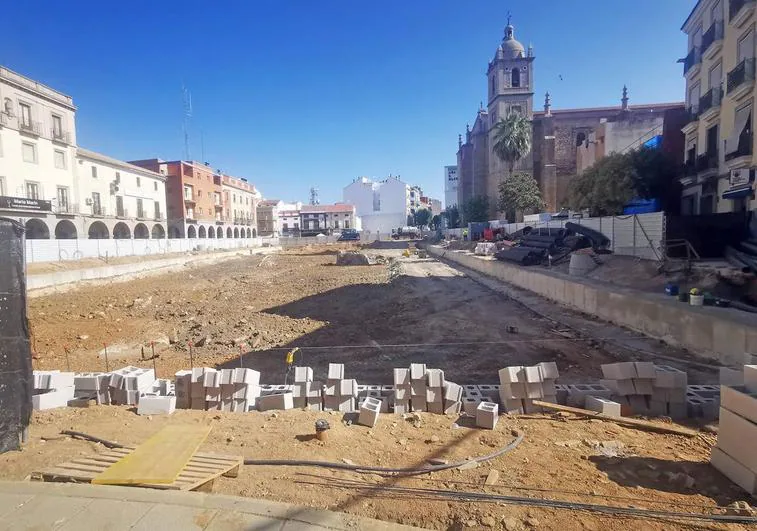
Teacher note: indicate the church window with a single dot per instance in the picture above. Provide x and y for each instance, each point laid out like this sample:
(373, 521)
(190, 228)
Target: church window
(516, 77)
(516, 109)
(494, 85)
(580, 139)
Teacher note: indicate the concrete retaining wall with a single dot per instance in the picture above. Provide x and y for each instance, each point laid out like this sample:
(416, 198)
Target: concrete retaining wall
(723, 334)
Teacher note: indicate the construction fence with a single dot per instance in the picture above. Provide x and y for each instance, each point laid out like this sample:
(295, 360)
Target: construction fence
(639, 235)
(62, 250)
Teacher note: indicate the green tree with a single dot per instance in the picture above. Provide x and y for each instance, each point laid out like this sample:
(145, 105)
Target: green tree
(476, 209)
(436, 222)
(519, 193)
(453, 217)
(512, 139)
(422, 217)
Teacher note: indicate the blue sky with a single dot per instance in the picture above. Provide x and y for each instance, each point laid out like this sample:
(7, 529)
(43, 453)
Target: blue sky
(300, 93)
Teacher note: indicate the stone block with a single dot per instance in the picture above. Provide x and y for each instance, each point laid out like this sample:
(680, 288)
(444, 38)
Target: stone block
(549, 370)
(435, 377)
(418, 388)
(156, 405)
(336, 371)
(418, 371)
(303, 374)
(434, 394)
(452, 391)
(511, 375)
(669, 377)
(275, 402)
(740, 401)
(602, 405)
(211, 378)
(418, 403)
(470, 404)
(370, 409)
(643, 386)
(619, 371)
(347, 404)
(512, 390)
(227, 377)
(736, 437)
(348, 388)
(487, 415)
(246, 376)
(513, 406)
(734, 470)
(532, 374)
(534, 390)
(402, 393)
(402, 406)
(731, 377)
(401, 377)
(645, 369)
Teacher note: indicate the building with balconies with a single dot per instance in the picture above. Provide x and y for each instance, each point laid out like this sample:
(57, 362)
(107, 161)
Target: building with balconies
(325, 219)
(240, 200)
(719, 69)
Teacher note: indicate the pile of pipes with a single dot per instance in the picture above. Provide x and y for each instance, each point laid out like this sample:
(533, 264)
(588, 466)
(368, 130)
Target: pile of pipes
(536, 246)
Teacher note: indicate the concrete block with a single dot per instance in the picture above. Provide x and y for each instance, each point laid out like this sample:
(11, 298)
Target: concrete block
(548, 370)
(211, 378)
(314, 389)
(561, 394)
(418, 388)
(532, 374)
(750, 378)
(734, 470)
(347, 404)
(436, 408)
(332, 388)
(303, 374)
(53, 399)
(677, 395)
(511, 375)
(452, 391)
(612, 385)
(669, 377)
(246, 376)
(348, 388)
(299, 402)
(548, 387)
(212, 394)
(731, 377)
(418, 371)
(336, 371)
(529, 408)
(470, 404)
(156, 405)
(513, 406)
(643, 386)
(227, 377)
(402, 393)
(386, 390)
(196, 374)
(369, 412)
(677, 411)
(314, 406)
(213, 405)
(435, 377)
(487, 415)
(331, 403)
(512, 390)
(639, 404)
(198, 404)
(273, 402)
(740, 401)
(452, 407)
(619, 371)
(736, 437)
(625, 387)
(534, 390)
(418, 403)
(645, 369)
(86, 381)
(434, 394)
(401, 406)
(401, 377)
(300, 390)
(602, 405)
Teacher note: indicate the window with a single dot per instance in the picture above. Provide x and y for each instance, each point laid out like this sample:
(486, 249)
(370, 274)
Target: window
(155, 185)
(346, 224)
(199, 193)
(694, 97)
(140, 209)
(188, 193)
(32, 190)
(712, 141)
(494, 85)
(233, 198)
(746, 46)
(57, 126)
(118, 177)
(580, 139)
(26, 114)
(60, 159)
(696, 37)
(515, 77)
(139, 182)
(62, 199)
(516, 109)
(199, 211)
(120, 211)
(716, 75)
(2, 185)
(29, 152)
(285, 226)
(94, 172)
(156, 206)
(96, 206)
(336, 224)
(716, 12)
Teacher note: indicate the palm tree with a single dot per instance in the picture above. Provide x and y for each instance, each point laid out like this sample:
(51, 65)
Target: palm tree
(512, 139)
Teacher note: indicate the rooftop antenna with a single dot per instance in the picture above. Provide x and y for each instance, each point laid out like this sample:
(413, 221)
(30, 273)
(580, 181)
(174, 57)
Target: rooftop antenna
(314, 196)
(187, 108)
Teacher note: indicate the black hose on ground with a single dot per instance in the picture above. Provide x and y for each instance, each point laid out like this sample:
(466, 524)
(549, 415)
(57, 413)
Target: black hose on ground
(326, 464)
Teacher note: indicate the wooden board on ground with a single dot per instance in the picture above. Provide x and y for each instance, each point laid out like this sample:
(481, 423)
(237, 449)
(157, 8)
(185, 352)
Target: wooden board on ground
(198, 474)
(157, 460)
(638, 423)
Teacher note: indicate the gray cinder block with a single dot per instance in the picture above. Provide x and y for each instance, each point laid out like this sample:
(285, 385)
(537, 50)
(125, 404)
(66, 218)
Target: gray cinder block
(370, 409)
(487, 415)
(602, 405)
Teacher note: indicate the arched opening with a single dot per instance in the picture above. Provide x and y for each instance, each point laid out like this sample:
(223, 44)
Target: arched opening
(65, 230)
(36, 229)
(580, 139)
(141, 232)
(242, 233)
(191, 232)
(98, 231)
(254, 233)
(158, 232)
(121, 231)
(174, 232)
(202, 232)
(515, 80)
(236, 232)
(249, 233)
(229, 234)
(219, 232)
(211, 232)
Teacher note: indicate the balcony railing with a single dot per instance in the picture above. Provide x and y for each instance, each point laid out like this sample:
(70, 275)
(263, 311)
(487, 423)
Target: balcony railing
(692, 113)
(715, 33)
(710, 100)
(140, 214)
(742, 73)
(33, 128)
(690, 167)
(122, 213)
(735, 6)
(707, 161)
(60, 136)
(691, 60)
(98, 210)
(744, 149)
(66, 208)
(158, 216)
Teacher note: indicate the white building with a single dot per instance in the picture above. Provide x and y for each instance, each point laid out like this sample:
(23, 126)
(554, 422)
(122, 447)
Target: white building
(325, 219)
(450, 186)
(289, 218)
(50, 186)
(382, 205)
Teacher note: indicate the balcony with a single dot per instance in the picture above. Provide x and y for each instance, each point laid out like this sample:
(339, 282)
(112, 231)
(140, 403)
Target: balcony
(709, 104)
(712, 40)
(707, 164)
(66, 209)
(739, 11)
(98, 210)
(58, 135)
(218, 206)
(743, 154)
(122, 213)
(741, 79)
(692, 62)
(141, 214)
(158, 217)
(189, 200)
(692, 119)
(30, 128)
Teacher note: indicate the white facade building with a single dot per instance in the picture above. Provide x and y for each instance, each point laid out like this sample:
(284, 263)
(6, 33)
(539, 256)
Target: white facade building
(450, 186)
(48, 184)
(289, 218)
(382, 205)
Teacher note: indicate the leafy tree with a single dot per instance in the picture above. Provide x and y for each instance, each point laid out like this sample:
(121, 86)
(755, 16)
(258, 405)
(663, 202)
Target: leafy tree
(476, 209)
(613, 181)
(519, 193)
(422, 217)
(512, 139)
(436, 222)
(453, 217)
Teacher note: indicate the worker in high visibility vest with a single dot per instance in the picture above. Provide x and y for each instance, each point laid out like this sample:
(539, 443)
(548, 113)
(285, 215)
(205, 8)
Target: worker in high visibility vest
(465, 235)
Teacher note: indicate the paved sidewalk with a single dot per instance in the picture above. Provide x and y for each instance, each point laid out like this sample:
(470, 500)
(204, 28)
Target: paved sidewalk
(66, 506)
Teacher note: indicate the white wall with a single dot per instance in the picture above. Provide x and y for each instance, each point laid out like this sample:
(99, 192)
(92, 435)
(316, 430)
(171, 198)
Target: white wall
(450, 186)
(360, 193)
(382, 224)
(392, 195)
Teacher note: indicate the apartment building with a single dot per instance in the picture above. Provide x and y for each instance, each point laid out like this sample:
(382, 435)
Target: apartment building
(268, 217)
(382, 205)
(58, 190)
(289, 218)
(720, 92)
(325, 219)
(240, 201)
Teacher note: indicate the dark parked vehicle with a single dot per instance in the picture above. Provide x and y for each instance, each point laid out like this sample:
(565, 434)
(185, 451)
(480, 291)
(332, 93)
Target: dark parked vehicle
(349, 235)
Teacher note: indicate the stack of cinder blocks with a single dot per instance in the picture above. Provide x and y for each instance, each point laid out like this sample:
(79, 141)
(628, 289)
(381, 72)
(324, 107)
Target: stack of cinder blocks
(703, 401)
(520, 386)
(92, 386)
(127, 383)
(306, 393)
(382, 393)
(52, 389)
(736, 452)
(419, 388)
(205, 388)
(631, 383)
(340, 393)
(160, 400)
(669, 392)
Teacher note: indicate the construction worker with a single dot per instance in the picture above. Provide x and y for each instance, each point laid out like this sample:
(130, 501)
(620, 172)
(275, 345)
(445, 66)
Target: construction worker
(465, 235)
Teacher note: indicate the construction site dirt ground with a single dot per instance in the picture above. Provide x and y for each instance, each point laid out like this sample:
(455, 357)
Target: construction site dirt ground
(372, 319)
